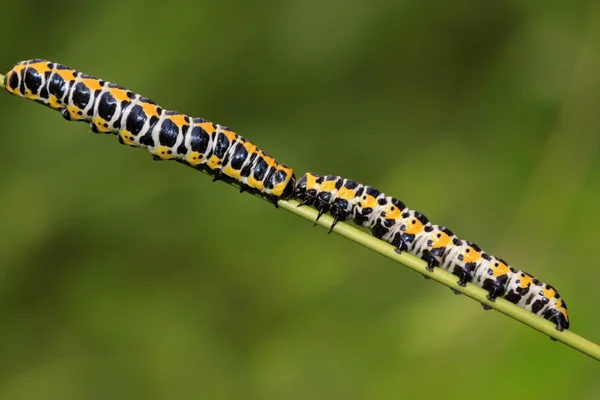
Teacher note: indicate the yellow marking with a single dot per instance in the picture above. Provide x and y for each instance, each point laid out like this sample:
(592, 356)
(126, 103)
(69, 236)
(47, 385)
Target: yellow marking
(92, 84)
(250, 181)
(311, 181)
(207, 127)
(367, 201)
(29, 95)
(178, 119)
(259, 185)
(40, 67)
(163, 152)
(327, 186)
(269, 160)
(500, 270)
(231, 136)
(470, 256)
(53, 102)
(345, 193)
(66, 74)
(126, 137)
(548, 293)
(99, 122)
(287, 170)
(440, 240)
(279, 188)
(150, 110)
(413, 226)
(119, 95)
(561, 309)
(194, 158)
(213, 162)
(525, 281)
(250, 147)
(392, 212)
(74, 110)
(253, 183)
(18, 68)
(231, 172)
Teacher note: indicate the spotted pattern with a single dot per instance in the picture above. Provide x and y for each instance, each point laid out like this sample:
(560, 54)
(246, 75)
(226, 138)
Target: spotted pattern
(389, 219)
(139, 122)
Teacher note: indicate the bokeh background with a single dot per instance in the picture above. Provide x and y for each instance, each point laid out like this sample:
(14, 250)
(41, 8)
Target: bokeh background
(124, 278)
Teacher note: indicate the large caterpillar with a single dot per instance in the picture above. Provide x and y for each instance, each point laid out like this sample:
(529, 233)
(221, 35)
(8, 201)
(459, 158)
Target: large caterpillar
(139, 122)
(390, 220)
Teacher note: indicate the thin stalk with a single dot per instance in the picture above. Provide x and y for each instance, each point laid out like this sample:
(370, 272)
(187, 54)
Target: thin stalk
(445, 278)
(351, 232)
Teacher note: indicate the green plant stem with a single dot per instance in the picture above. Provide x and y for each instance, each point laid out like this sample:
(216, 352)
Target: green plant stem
(351, 232)
(445, 278)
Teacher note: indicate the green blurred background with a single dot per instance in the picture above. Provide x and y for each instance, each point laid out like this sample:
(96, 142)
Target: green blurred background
(124, 278)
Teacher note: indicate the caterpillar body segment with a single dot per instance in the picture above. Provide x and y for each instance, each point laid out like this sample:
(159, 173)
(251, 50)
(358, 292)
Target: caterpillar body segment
(139, 122)
(493, 275)
(408, 230)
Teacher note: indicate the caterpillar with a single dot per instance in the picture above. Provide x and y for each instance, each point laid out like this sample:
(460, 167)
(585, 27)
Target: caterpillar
(169, 135)
(390, 220)
(139, 122)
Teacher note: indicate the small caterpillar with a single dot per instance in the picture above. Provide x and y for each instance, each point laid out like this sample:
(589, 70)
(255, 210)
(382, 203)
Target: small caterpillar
(139, 122)
(390, 220)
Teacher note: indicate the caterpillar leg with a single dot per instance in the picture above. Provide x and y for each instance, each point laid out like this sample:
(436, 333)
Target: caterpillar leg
(335, 221)
(323, 208)
(217, 176)
(94, 128)
(464, 278)
(66, 115)
(121, 141)
(274, 199)
(486, 307)
(304, 203)
(321, 212)
(431, 263)
(494, 293)
(338, 215)
(561, 323)
(402, 246)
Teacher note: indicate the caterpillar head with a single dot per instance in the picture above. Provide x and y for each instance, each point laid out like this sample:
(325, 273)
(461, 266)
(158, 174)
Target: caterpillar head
(13, 78)
(557, 313)
(27, 78)
(306, 186)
